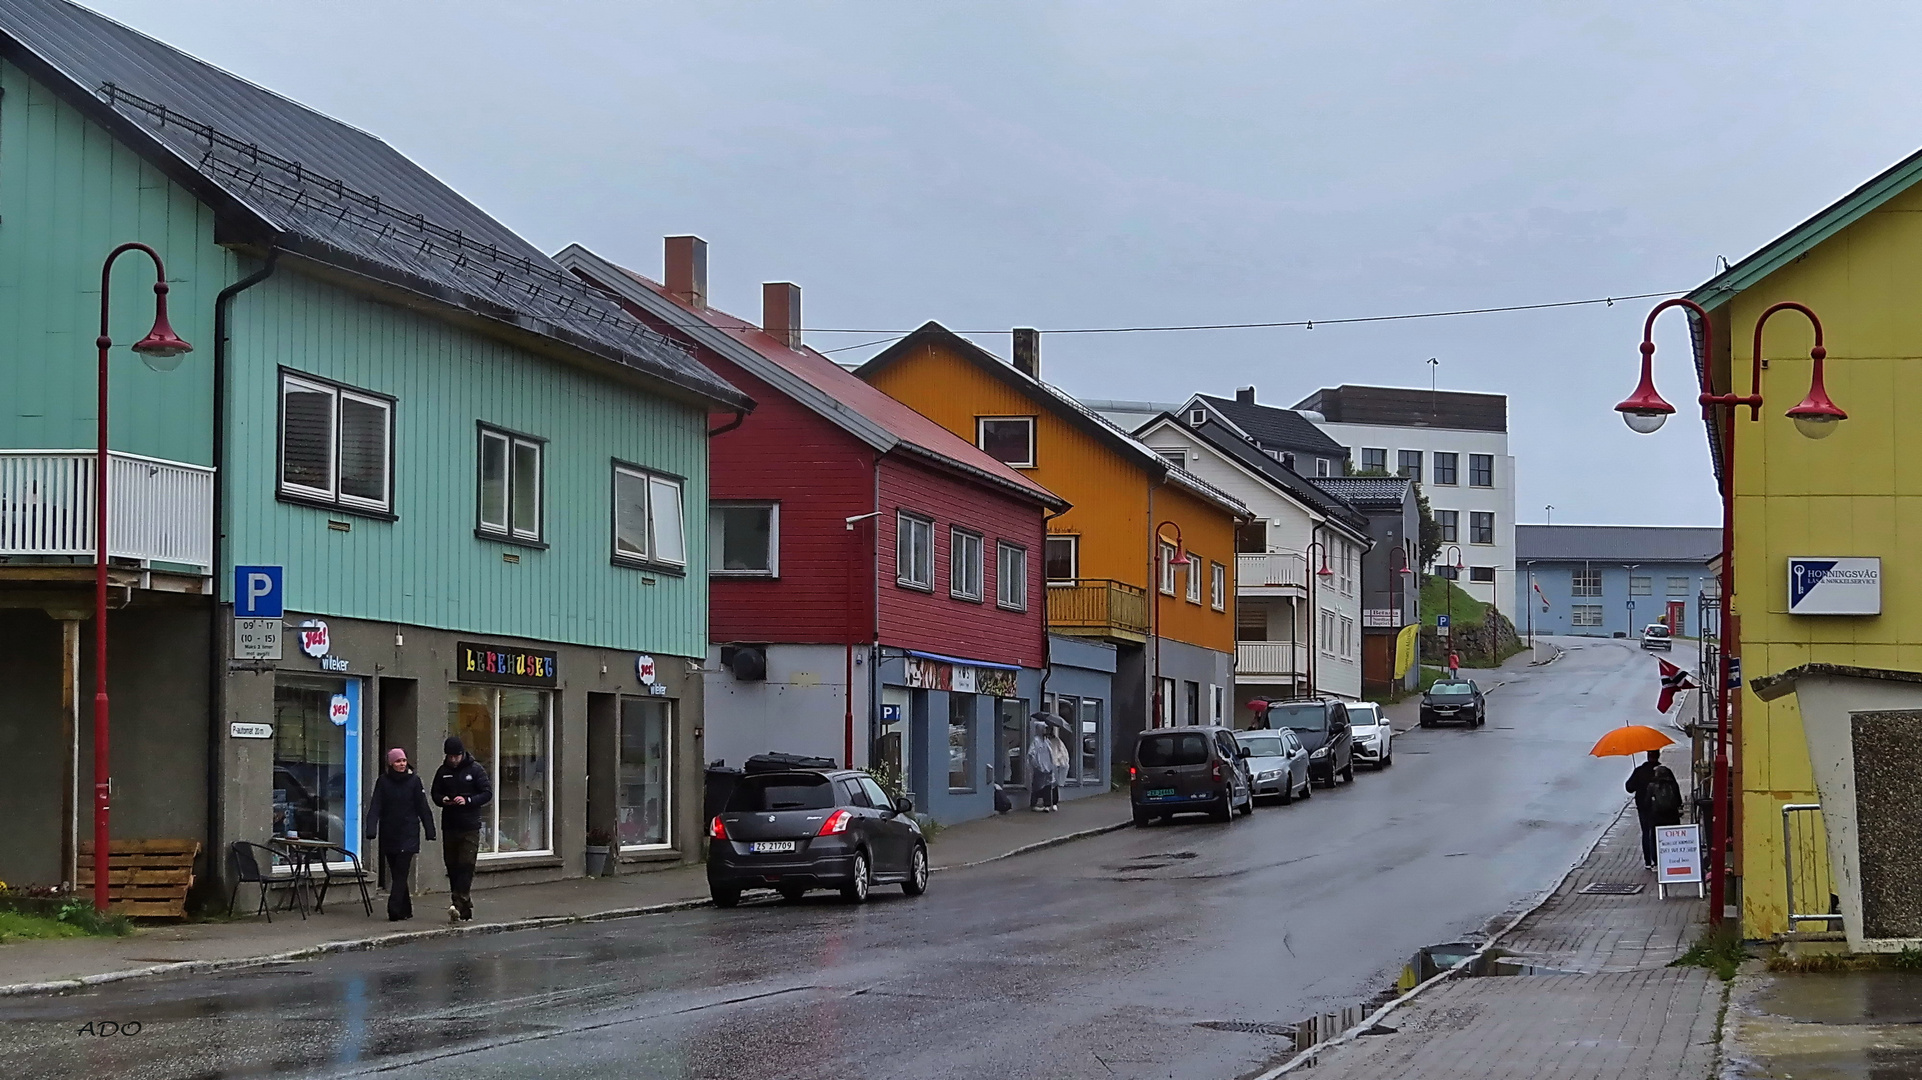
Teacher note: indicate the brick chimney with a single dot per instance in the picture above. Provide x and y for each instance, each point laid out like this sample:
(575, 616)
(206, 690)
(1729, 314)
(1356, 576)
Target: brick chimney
(1027, 352)
(781, 312)
(1245, 395)
(686, 276)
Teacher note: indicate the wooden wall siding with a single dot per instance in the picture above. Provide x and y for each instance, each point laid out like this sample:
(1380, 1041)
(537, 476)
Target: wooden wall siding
(821, 476)
(1109, 492)
(428, 567)
(938, 622)
(68, 194)
(1210, 536)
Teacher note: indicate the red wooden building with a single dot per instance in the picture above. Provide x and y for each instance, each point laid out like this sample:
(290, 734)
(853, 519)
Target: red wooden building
(876, 581)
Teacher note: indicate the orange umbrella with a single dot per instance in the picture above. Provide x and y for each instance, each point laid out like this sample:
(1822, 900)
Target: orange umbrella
(1628, 740)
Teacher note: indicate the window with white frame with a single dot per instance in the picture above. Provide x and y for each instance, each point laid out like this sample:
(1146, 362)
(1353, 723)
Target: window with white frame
(1327, 631)
(1450, 522)
(1447, 468)
(1347, 564)
(509, 730)
(1639, 585)
(1481, 470)
(964, 564)
(1321, 466)
(647, 518)
(1177, 458)
(1678, 586)
(913, 551)
(1167, 555)
(1585, 582)
(336, 445)
(1061, 558)
(744, 539)
(1011, 576)
(1197, 417)
(510, 485)
(1217, 586)
(1347, 637)
(1374, 459)
(1194, 578)
(1585, 615)
(1481, 573)
(1008, 439)
(1408, 463)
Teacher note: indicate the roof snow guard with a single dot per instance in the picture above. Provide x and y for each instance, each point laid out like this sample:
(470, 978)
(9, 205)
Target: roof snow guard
(279, 174)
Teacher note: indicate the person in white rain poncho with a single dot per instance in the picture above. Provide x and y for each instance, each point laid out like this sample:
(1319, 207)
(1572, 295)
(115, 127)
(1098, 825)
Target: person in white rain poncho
(1058, 750)
(1040, 767)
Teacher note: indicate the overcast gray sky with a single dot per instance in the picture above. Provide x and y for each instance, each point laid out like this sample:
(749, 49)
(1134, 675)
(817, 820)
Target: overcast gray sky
(1067, 164)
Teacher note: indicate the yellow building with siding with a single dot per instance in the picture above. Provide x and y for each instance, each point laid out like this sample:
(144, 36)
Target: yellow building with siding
(1858, 492)
(1104, 578)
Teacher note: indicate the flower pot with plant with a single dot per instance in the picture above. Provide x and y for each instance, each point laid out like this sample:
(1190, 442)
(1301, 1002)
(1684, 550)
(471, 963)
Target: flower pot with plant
(600, 843)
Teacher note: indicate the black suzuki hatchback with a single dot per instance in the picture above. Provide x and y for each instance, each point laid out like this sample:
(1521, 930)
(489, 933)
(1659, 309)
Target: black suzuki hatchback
(795, 831)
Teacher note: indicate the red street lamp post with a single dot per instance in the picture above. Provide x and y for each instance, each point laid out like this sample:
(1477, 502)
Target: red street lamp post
(1815, 416)
(1314, 611)
(1450, 586)
(161, 350)
(1180, 559)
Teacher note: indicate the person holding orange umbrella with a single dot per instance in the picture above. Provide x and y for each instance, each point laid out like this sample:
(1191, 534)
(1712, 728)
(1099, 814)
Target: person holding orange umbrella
(1658, 795)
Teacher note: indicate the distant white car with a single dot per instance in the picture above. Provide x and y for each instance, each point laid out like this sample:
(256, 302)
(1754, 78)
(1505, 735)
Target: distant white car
(1656, 636)
(1373, 734)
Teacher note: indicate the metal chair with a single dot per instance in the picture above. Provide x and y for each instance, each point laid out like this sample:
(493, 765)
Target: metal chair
(243, 866)
(357, 874)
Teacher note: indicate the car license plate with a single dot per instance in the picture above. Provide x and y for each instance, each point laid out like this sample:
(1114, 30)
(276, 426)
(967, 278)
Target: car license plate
(1160, 792)
(771, 845)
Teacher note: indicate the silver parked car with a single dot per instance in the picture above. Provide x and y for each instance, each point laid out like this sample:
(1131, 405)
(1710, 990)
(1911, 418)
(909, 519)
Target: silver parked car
(1277, 764)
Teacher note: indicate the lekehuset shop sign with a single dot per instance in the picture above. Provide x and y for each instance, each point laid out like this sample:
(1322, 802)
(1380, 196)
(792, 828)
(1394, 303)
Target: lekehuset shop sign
(494, 664)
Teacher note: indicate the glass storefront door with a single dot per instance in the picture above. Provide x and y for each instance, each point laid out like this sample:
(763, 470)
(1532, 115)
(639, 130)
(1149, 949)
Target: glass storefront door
(509, 731)
(316, 783)
(643, 796)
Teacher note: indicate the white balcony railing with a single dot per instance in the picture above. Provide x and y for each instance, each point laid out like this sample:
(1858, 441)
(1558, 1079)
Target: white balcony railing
(1267, 658)
(161, 511)
(1270, 570)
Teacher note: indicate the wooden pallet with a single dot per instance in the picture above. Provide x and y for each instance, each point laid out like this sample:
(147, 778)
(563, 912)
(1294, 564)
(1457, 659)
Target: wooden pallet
(145, 878)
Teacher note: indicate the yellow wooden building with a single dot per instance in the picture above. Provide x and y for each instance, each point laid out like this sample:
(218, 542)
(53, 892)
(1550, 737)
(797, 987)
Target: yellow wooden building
(1856, 493)
(1108, 576)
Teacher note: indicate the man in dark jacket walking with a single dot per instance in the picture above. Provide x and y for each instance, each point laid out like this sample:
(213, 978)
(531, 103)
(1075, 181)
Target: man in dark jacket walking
(461, 789)
(1658, 801)
(397, 814)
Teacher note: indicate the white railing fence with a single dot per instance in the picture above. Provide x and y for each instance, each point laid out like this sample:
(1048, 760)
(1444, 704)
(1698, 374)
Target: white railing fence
(161, 511)
(1274, 569)
(1270, 658)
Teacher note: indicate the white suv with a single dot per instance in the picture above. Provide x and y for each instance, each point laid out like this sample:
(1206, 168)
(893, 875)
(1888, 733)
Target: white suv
(1373, 734)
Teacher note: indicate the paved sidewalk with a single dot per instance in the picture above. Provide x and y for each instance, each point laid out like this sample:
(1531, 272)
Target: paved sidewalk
(1602, 1003)
(345, 925)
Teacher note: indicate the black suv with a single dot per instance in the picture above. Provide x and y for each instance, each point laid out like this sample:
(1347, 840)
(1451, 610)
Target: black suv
(1454, 699)
(800, 830)
(1322, 726)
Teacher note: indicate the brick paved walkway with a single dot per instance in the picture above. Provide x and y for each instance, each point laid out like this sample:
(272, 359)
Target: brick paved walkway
(1620, 1013)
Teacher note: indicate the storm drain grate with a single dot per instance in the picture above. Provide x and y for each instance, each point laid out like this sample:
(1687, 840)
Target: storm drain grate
(1612, 888)
(1251, 1027)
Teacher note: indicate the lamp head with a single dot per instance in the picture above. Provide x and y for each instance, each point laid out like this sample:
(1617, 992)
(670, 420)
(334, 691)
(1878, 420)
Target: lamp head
(161, 349)
(1181, 558)
(1644, 411)
(1816, 416)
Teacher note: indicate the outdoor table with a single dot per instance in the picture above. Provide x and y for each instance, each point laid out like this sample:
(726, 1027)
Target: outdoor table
(300, 854)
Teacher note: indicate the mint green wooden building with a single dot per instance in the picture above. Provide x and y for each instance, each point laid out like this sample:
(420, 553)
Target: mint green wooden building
(485, 485)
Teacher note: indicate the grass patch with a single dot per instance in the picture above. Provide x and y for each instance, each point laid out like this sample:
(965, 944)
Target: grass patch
(75, 918)
(1437, 593)
(1720, 950)
(1838, 963)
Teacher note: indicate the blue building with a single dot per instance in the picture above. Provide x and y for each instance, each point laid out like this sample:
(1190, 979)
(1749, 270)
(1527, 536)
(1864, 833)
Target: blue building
(1611, 580)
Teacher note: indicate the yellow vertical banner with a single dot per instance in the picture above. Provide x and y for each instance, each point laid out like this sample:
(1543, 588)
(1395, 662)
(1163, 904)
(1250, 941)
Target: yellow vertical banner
(1405, 643)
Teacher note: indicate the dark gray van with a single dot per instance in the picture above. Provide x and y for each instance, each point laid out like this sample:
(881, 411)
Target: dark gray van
(1187, 770)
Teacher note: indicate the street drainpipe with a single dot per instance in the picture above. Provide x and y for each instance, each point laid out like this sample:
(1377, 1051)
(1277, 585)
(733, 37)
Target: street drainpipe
(216, 650)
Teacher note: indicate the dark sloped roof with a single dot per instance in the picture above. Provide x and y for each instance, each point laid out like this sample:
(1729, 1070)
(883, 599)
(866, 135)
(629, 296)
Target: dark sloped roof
(1059, 402)
(1617, 543)
(1276, 429)
(279, 174)
(1252, 458)
(1368, 492)
(1400, 406)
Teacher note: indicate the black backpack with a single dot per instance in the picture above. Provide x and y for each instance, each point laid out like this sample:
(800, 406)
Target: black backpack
(1664, 793)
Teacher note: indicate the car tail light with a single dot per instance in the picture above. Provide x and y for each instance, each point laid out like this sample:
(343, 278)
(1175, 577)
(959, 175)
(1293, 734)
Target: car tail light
(1216, 771)
(837, 822)
(1133, 772)
(717, 829)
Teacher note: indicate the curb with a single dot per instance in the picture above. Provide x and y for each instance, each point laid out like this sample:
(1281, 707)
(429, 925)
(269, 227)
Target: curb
(1308, 1056)
(384, 941)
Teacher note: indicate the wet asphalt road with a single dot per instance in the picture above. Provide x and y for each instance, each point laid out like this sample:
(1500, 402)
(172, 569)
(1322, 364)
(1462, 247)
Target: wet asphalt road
(1121, 956)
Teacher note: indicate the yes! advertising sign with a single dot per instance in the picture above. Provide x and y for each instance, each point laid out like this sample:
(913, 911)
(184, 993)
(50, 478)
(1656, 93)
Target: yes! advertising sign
(1835, 586)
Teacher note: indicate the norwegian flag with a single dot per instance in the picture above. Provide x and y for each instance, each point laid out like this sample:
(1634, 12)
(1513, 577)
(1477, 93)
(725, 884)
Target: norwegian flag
(1674, 681)
(1537, 586)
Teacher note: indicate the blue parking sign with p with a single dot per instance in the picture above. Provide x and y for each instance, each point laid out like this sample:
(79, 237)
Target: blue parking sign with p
(257, 592)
